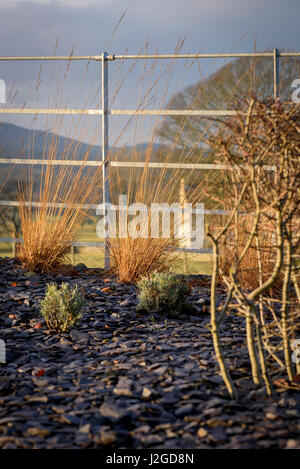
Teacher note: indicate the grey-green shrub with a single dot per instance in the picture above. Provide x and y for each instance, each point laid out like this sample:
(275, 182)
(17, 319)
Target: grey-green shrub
(62, 307)
(163, 292)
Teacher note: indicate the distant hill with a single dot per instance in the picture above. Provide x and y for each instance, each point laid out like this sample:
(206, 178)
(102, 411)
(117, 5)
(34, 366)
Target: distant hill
(21, 142)
(17, 141)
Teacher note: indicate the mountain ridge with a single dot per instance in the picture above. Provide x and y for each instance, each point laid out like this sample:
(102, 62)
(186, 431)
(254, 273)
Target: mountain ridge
(17, 141)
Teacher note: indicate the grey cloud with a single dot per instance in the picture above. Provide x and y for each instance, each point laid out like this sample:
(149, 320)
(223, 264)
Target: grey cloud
(31, 28)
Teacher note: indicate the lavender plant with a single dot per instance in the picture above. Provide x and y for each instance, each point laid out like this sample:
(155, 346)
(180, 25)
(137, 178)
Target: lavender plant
(163, 292)
(62, 307)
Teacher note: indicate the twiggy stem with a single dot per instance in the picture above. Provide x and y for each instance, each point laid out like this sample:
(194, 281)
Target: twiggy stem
(251, 346)
(295, 280)
(262, 359)
(215, 324)
(285, 310)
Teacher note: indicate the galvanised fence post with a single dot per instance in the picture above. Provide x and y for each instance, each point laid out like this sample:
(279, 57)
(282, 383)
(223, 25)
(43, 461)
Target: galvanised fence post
(105, 163)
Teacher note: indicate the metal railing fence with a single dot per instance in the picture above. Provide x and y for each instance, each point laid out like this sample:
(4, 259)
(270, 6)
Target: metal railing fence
(105, 112)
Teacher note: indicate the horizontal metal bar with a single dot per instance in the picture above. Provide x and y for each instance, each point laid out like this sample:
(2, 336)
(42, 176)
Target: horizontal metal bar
(94, 112)
(174, 112)
(49, 162)
(217, 212)
(288, 54)
(147, 56)
(205, 56)
(152, 56)
(11, 240)
(124, 112)
(196, 251)
(54, 57)
(16, 203)
(121, 164)
(90, 244)
(128, 112)
(77, 243)
(133, 164)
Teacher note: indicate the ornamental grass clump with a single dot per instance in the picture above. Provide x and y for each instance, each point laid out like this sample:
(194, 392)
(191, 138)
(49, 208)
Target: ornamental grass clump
(62, 307)
(53, 205)
(163, 292)
(57, 187)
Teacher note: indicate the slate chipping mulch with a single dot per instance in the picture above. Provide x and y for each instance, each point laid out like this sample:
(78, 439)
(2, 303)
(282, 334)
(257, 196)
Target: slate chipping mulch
(127, 379)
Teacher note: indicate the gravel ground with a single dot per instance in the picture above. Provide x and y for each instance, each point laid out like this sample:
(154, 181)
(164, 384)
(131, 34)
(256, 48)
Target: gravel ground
(127, 379)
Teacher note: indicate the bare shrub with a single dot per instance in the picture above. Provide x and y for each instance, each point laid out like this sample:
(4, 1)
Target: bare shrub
(261, 149)
(248, 274)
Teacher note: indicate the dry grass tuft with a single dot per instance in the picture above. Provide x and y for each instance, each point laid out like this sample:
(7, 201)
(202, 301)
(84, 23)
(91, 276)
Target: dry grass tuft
(53, 206)
(47, 242)
(49, 229)
(135, 258)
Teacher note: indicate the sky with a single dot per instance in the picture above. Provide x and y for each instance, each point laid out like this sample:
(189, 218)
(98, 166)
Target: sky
(94, 26)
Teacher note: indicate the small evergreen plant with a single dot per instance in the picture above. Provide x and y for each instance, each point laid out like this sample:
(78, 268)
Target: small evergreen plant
(62, 307)
(163, 292)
